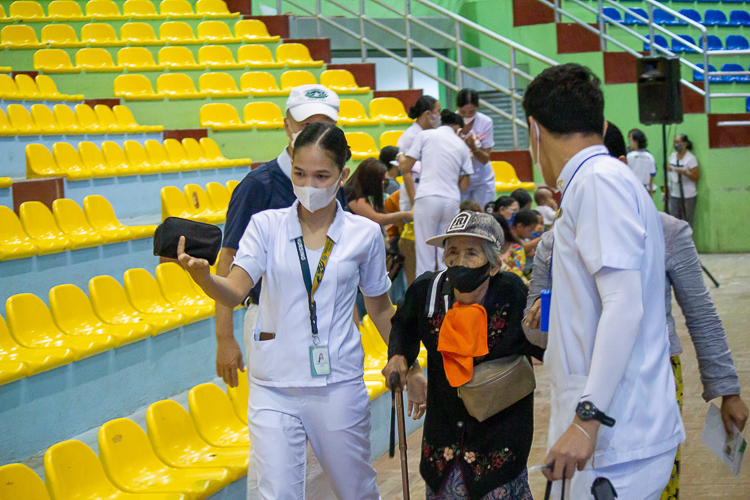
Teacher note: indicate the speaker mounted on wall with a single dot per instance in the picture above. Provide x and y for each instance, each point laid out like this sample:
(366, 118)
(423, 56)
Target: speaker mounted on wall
(659, 90)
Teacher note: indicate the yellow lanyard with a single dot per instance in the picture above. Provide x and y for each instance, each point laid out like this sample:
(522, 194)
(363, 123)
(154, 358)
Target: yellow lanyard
(312, 285)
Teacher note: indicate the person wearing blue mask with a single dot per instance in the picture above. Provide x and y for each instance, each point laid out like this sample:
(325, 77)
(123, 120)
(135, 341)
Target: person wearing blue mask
(525, 224)
(507, 207)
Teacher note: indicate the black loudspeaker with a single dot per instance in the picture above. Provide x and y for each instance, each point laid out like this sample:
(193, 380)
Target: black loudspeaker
(659, 90)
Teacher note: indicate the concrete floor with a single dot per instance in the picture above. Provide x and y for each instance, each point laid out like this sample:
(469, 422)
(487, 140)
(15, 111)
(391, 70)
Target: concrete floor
(703, 475)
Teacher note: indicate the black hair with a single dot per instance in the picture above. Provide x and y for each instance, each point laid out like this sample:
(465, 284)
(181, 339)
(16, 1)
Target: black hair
(522, 197)
(367, 182)
(424, 103)
(509, 237)
(387, 155)
(614, 141)
(504, 202)
(327, 137)
(470, 206)
(467, 96)
(639, 137)
(448, 117)
(688, 143)
(540, 197)
(526, 217)
(566, 99)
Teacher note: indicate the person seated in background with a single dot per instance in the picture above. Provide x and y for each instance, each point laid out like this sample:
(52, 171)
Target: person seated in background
(525, 229)
(546, 205)
(640, 161)
(522, 197)
(388, 158)
(365, 193)
(507, 207)
(613, 140)
(470, 206)
(513, 257)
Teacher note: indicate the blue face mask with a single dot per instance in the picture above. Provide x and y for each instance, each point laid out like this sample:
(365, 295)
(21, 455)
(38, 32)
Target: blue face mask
(510, 221)
(534, 234)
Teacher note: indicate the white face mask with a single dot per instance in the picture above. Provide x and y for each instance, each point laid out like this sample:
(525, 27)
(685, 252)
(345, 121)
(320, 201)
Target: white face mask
(467, 121)
(537, 162)
(434, 120)
(294, 137)
(313, 199)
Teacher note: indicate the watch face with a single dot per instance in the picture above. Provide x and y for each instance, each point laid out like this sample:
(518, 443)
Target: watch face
(586, 410)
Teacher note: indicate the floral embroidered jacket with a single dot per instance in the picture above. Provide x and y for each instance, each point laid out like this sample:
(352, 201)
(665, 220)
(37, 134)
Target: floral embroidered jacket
(490, 453)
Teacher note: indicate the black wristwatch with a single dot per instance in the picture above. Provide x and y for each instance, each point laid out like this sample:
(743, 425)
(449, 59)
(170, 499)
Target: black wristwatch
(587, 411)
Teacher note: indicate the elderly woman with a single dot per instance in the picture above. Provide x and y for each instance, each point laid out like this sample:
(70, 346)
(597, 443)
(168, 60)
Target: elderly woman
(475, 308)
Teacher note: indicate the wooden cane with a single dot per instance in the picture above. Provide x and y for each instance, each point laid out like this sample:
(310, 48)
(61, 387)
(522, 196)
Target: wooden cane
(395, 387)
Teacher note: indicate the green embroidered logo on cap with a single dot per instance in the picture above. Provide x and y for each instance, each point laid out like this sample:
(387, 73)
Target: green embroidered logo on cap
(316, 94)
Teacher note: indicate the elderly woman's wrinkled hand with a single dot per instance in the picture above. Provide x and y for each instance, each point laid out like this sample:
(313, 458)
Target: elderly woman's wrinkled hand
(398, 365)
(533, 318)
(416, 393)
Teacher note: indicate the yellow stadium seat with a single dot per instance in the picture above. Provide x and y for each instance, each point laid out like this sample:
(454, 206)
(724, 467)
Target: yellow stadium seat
(36, 359)
(31, 325)
(389, 110)
(214, 417)
(260, 84)
(506, 179)
(138, 157)
(73, 472)
(64, 9)
(5, 182)
(53, 61)
(127, 122)
(176, 286)
(19, 35)
(93, 159)
(362, 145)
(342, 82)
(6, 129)
(116, 159)
(158, 156)
(111, 306)
(177, 443)
(221, 116)
(21, 120)
(177, 32)
(69, 162)
(212, 152)
(239, 396)
(8, 88)
(69, 217)
(100, 215)
(88, 120)
(130, 461)
(143, 9)
(195, 194)
(178, 86)
(296, 55)
(10, 371)
(14, 242)
(216, 31)
(253, 30)
(177, 58)
(218, 195)
(95, 59)
(177, 9)
(219, 85)
(26, 10)
(137, 59)
(390, 138)
(177, 155)
(263, 115)
(45, 120)
(295, 78)
(73, 314)
(352, 112)
(40, 163)
(102, 9)
(27, 88)
(174, 204)
(60, 35)
(48, 89)
(107, 121)
(135, 88)
(258, 56)
(230, 186)
(18, 481)
(100, 34)
(217, 57)
(2, 13)
(213, 8)
(139, 34)
(144, 294)
(195, 154)
(67, 119)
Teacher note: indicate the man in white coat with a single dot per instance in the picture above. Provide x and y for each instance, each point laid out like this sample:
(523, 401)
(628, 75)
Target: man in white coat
(613, 407)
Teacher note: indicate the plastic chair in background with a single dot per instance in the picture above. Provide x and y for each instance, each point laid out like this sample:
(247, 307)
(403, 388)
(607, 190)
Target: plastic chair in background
(101, 34)
(295, 78)
(342, 82)
(101, 215)
(71, 221)
(177, 58)
(14, 242)
(253, 30)
(263, 115)
(214, 417)
(139, 34)
(296, 55)
(106, 9)
(177, 31)
(389, 110)
(135, 88)
(221, 116)
(19, 481)
(352, 112)
(362, 145)
(390, 138)
(258, 56)
(714, 17)
(737, 42)
(69, 161)
(60, 35)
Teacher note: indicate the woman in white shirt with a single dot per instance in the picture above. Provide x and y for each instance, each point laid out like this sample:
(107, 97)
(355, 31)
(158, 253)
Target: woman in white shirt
(305, 363)
(683, 169)
(640, 161)
(426, 116)
(478, 134)
(446, 166)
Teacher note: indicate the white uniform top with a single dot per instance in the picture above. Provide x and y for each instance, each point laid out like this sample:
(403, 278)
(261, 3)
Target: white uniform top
(445, 157)
(268, 249)
(403, 144)
(688, 162)
(483, 129)
(643, 165)
(608, 220)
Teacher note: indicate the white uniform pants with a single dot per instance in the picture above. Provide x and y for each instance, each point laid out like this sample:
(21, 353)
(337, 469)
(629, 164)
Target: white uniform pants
(336, 421)
(432, 216)
(640, 479)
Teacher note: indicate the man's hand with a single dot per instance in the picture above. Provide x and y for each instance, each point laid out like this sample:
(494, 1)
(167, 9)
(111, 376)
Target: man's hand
(733, 409)
(396, 364)
(228, 360)
(572, 450)
(534, 316)
(199, 269)
(416, 392)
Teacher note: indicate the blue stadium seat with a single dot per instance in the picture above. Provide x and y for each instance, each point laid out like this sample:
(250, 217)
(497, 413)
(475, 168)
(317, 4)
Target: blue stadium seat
(737, 42)
(698, 76)
(747, 104)
(713, 17)
(708, 1)
(683, 1)
(735, 78)
(612, 13)
(739, 18)
(732, 1)
(664, 18)
(659, 40)
(630, 20)
(714, 43)
(678, 46)
(692, 14)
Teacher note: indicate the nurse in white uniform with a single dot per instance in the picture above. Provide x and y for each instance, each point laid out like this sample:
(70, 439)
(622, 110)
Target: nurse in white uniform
(446, 166)
(613, 408)
(478, 133)
(306, 361)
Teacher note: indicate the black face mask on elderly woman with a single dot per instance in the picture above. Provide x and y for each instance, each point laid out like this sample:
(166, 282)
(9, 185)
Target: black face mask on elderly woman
(467, 279)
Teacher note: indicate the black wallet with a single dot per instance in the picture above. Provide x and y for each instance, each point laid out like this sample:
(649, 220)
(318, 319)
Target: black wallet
(202, 241)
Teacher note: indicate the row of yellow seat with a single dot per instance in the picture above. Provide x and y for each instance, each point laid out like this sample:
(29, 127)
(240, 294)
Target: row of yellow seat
(107, 9)
(39, 231)
(39, 88)
(135, 33)
(293, 55)
(152, 157)
(84, 120)
(195, 203)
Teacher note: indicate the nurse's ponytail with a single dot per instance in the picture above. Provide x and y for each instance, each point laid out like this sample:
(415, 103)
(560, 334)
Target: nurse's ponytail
(424, 103)
(327, 137)
(448, 117)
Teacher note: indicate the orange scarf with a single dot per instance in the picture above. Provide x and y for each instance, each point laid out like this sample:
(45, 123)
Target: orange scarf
(463, 336)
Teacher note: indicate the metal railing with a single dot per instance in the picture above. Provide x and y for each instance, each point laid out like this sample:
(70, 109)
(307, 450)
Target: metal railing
(461, 25)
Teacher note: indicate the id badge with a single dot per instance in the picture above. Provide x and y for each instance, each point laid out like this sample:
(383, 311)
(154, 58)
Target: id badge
(320, 364)
(546, 297)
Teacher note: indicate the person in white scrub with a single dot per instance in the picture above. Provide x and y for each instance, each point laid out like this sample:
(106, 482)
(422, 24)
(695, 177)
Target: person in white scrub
(306, 361)
(478, 133)
(683, 176)
(613, 410)
(446, 166)
(640, 161)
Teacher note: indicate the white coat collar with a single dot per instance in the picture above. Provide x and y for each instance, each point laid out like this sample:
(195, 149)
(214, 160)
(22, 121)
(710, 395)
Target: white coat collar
(572, 166)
